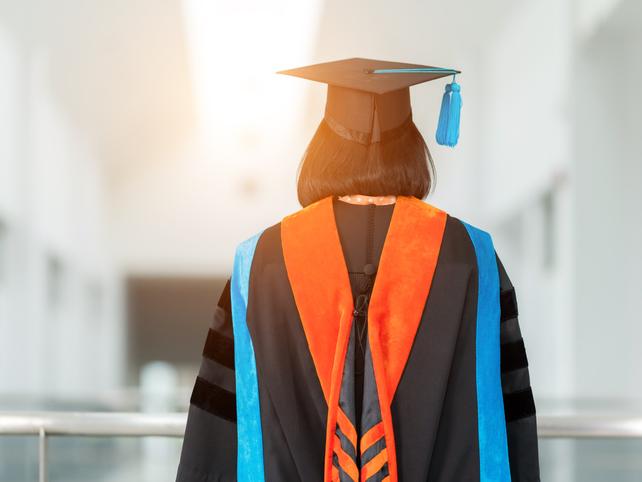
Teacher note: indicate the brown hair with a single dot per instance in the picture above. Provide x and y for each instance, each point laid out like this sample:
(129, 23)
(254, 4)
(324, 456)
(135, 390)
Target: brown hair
(333, 165)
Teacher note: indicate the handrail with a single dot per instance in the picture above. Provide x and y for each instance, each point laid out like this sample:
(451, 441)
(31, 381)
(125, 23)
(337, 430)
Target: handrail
(109, 424)
(587, 426)
(125, 424)
(135, 424)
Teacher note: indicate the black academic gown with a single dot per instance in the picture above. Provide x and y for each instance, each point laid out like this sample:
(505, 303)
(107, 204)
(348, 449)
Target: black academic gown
(260, 409)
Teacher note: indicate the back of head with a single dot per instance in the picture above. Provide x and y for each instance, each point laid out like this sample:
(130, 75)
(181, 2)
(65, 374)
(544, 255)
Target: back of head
(399, 163)
(366, 142)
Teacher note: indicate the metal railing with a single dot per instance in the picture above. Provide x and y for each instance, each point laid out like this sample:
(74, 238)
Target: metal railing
(111, 424)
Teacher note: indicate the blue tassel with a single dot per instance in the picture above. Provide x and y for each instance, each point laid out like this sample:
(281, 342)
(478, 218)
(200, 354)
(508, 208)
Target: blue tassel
(448, 127)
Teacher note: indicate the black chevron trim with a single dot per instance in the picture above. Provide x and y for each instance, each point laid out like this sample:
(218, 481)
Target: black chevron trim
(380, 475)
(346, 445)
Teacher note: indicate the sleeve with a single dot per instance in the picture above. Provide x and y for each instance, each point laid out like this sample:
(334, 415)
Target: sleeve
(210, 441)
(519, 406)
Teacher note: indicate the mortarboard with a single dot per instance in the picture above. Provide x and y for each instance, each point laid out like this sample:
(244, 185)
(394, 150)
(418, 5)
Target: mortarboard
(368, 100)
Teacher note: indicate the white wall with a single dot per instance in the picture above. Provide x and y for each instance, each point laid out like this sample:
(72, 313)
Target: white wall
(523, 169)
(60, 332)
(545, 152)
(236, 175)
(608, 199)
(87, 90)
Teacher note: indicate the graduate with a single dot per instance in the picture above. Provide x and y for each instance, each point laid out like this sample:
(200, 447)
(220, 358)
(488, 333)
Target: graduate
(369, 336)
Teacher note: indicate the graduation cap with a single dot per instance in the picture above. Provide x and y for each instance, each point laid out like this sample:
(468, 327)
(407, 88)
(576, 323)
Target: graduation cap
(368, 100)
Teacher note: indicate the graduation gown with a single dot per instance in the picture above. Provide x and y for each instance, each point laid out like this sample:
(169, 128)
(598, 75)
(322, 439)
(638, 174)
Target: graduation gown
(443, 390)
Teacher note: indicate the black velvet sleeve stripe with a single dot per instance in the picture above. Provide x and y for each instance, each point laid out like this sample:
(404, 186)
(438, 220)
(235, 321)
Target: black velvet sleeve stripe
(221, 376)
(508, 303)
(515, 380)
(513, 356)
(224, 300)
(510, 331)
(518, 405)
(214, 399)
(219, 348)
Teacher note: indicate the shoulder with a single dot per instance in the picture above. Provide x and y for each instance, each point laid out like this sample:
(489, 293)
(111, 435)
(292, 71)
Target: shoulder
(456, 228)
(475, 234)
(270, 236)
(265, 245)
(259, 237)
(272, 233)
(463, 241)
(468, 243)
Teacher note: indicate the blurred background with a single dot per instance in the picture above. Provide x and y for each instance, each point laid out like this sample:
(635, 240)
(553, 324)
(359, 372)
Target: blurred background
(142, 140)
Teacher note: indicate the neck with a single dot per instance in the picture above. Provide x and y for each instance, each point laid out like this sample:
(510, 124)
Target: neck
(362, 199)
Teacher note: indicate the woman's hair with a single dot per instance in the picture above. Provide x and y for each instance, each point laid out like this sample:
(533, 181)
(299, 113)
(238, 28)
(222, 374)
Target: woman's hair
(335, 166)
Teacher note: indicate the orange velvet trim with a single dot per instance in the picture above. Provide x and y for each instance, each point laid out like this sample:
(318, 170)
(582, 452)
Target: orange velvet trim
(319, 279)
(401, 288)
(405, 273)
